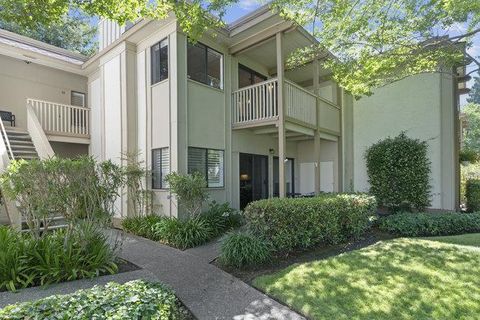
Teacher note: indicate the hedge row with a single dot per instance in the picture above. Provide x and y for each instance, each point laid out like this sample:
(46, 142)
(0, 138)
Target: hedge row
(430, 224)
(298, 223)
(132, 300)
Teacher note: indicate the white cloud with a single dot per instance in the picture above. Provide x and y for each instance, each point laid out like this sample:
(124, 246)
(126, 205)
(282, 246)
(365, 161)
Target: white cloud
(248, 4)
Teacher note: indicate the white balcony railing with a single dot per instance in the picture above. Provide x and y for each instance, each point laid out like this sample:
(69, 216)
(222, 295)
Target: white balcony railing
(62, 119)
(301, 104)
(258, 103)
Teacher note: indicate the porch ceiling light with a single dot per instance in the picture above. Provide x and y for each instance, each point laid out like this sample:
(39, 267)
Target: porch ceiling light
(244, 177)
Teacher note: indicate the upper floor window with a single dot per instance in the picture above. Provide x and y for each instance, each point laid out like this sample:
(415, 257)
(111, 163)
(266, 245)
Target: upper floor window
(205, 65)
(77, 99)
(247, 77)
(159, 61)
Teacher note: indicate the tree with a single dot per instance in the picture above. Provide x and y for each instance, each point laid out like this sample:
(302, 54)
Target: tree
(73, 32)
(474, 96)
(472, 133)
(375, 42)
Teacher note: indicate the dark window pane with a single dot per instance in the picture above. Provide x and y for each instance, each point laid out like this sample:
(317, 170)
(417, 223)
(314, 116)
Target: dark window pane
(160, 167)
(244, 78)
(159, 61)
(197, 161)
(214, 64)
(197, 62)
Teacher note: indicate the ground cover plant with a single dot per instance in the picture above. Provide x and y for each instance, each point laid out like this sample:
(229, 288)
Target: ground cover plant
(133, 300)
(393, 279)
(430, 224)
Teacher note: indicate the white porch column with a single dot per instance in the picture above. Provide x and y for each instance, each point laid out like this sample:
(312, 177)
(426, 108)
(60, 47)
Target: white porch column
(316, 142)
(281, 114)
(340, 103)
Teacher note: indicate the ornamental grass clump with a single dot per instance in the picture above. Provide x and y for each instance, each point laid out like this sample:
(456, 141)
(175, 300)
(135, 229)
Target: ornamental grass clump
(398, 172)
(243, 249)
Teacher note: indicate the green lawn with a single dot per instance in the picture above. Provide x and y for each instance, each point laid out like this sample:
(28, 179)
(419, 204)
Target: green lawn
(472, 239)
(394, 279)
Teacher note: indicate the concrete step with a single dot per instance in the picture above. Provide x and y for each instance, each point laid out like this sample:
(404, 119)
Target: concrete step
(24, 147)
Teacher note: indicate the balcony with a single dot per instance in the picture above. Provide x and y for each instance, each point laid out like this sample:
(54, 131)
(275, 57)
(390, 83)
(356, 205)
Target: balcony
(61, 122)
(257, 105)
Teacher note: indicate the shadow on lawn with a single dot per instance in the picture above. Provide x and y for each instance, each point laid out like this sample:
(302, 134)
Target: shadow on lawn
(398, 279)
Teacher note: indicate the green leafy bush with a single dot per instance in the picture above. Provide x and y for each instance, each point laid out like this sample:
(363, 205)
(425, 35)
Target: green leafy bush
(398, 172)
(305, 222)
(430, 224)
(182, 234)
(468, 155)
(472, 195)
(221, 217)
(133, 300)
(57, 256)
(242, 249)
(142, 225)
(190, 190)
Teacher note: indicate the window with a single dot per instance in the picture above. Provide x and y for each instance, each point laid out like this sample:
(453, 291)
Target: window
(159, 61)
(160, 167)
(208, 162)
(205, 65)
(77, 99)
(78, 118)
(247, 77)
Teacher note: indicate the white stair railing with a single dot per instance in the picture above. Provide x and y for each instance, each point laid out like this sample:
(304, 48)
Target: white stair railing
(37, 134)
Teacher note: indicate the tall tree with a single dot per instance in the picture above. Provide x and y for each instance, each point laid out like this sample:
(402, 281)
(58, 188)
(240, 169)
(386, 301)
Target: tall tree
(474, 95)
(375, 42)
(471, 138)
(73, 32)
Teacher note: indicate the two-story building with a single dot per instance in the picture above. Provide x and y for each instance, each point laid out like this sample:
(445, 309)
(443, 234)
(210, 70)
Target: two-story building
(225, 106)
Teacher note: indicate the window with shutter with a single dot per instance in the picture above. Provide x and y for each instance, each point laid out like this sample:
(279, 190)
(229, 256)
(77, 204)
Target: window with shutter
(160, 167)
(77, 99)
(209, 163)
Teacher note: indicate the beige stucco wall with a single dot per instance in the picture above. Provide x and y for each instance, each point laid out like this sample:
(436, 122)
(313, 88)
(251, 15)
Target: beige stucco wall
(19, 81)
(422, 106)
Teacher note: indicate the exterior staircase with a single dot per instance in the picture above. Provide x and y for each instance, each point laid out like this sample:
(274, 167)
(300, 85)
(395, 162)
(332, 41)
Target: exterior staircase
(22, 147)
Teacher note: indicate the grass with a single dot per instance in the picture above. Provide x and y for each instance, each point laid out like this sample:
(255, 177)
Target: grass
(471, 239)
(393, 279)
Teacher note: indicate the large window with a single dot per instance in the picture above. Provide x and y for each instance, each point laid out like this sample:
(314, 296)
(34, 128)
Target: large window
(247, 77)
(160, 167)
(159, 61)
(209, 163)
(205, 65)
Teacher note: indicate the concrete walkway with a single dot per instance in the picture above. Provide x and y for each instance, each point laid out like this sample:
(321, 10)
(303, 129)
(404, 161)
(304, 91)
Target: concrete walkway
(209, 293)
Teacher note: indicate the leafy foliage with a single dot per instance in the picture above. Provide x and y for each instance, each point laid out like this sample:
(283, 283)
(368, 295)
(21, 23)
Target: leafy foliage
(430, 224)
(471, 138)
(472, 195)
(243, 249)
(78, 189)
(468, 172)
(300, 223)
(73, 32)
(468, 155)
(133, 300)
(398, 172)
(474, 95)
(189, 189)
(55, 257)
(377, 42)
(189, 232)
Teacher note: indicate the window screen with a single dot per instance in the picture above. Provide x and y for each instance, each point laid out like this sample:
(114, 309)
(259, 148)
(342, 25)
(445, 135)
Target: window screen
(160, 167)
(209, 163)
(77, 99)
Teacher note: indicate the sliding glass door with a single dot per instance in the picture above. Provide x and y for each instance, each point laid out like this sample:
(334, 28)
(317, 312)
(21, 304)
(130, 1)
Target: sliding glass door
(253, 178)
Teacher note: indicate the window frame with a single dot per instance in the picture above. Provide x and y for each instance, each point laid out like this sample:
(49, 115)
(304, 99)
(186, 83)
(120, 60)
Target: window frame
(162, 186)
(152, 73)
(222, 67)
(73, 92)
(206, 165)
(252, 73)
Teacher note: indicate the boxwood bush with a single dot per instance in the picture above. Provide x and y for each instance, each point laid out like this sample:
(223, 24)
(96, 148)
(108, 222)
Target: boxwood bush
(472, 195)
(292, 223)
(430, 224)
(132, 300)
(398, 172)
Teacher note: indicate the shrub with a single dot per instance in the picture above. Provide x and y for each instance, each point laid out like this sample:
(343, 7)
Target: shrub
(190, 190)
(142, 225)
(472, 195)
(398, 172)
(182, 234)
(221, 218)
(468, 172)
(133, 300)
(56, 256)
(468, 155)
(242, 249)
(430, 224)
(305, 222)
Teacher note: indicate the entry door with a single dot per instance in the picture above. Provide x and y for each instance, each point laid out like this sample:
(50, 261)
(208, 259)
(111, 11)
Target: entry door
(253, 178)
